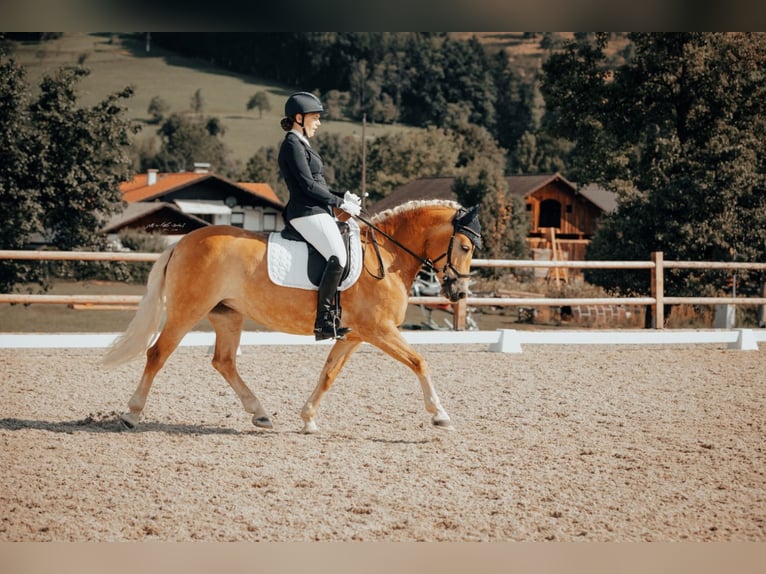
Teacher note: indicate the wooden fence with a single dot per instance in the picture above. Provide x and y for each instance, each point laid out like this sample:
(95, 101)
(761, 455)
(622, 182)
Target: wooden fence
(656, 301)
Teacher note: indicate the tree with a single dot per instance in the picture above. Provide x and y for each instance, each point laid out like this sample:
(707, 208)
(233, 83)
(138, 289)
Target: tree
(260, 101)
(19, 196)
(60, 166)
(197, 102)
(82, 159)
(335, 104)
(262, 167)
(342, 157)
(393, 160)
(157, 109)
(186, 140)
(680, 131)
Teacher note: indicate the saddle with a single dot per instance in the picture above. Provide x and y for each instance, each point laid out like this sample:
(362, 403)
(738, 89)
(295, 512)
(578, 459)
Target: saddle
(293, 262)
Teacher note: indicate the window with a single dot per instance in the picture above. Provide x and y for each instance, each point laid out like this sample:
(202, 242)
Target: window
(269, 221)
(550, 214)
(237, 219)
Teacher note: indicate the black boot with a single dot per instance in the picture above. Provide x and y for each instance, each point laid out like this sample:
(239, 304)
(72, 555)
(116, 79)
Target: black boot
(327, 325)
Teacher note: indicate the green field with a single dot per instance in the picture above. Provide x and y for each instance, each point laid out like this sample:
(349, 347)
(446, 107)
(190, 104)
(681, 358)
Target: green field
(119, 60)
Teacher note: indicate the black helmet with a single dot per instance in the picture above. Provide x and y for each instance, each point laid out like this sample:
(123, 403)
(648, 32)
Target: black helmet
(302, 103)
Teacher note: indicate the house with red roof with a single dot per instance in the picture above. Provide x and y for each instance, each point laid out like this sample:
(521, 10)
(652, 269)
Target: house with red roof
(175, 203)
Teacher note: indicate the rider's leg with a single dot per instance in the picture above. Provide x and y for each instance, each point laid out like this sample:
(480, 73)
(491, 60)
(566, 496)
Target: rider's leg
(322, 232)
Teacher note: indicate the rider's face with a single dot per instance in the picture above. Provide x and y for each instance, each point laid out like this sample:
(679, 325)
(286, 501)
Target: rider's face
(311, 123)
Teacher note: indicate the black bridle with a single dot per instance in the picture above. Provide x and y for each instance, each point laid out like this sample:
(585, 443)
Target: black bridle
(464, 222)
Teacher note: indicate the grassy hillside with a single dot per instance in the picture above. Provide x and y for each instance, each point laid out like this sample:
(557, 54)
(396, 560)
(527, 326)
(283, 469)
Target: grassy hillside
(118, 60)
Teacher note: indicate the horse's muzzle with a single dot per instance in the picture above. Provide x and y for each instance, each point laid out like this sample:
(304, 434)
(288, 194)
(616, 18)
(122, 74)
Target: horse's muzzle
(454, 289)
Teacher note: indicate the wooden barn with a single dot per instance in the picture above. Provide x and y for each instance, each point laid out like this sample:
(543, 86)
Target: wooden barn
(563, 217)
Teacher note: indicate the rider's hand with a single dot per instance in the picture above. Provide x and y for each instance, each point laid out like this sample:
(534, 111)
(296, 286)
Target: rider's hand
(352, 198)
(351, 207)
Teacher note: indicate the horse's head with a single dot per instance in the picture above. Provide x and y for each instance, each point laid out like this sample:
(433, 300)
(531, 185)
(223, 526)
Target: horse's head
(465, 239)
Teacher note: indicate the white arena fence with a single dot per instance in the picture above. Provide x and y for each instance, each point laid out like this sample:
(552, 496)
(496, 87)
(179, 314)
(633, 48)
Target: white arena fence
(502, 340)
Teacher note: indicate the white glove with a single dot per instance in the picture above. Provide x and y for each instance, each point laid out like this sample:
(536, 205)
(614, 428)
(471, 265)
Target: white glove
(352, 198)
(351, 207)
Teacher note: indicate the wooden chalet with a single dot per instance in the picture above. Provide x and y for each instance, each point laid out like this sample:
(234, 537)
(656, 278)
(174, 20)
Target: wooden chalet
(175, 203)
(563, 217)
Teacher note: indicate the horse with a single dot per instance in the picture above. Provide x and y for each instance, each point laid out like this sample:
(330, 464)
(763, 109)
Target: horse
(220, 272)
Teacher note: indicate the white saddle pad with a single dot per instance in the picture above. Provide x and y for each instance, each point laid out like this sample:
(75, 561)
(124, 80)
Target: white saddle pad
(288, 261)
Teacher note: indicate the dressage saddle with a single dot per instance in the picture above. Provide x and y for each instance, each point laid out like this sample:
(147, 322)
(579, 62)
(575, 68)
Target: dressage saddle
(316, 262)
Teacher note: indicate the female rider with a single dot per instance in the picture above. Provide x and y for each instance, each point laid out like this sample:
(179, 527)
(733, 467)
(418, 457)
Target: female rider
(309, 209)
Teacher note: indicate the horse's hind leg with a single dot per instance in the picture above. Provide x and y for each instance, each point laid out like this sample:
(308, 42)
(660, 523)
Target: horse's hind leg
(228, 329)
(156, 356)
(339, 355)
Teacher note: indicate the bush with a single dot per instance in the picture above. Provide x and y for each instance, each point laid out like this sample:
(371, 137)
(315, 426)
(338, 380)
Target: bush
(141, 242)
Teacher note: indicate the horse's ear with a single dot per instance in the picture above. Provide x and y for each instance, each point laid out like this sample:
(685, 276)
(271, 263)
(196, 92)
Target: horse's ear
(467, 222)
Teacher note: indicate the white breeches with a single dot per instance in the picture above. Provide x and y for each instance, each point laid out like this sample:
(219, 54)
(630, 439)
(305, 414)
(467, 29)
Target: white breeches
(322, 232)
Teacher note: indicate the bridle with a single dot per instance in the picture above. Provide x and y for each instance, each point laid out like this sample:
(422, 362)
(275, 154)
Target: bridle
(458, 226)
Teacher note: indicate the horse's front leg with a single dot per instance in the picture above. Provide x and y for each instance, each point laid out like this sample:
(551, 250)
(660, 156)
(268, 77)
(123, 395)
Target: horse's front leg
(339, 355)
(391, 342)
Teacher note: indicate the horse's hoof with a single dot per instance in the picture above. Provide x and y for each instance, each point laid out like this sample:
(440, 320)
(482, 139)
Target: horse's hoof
(443, 424)
(262, 422)
(310, 427)
(129, 421)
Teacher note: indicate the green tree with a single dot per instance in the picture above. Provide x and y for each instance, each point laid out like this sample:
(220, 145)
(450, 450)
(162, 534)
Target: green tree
(19, 196)
(60, 166)
(189, 139)
(335, 104)
(679, 130)
(82, 159)
(197, 102)
(157, 109)
(262, 167)
(259, 101)
(393, 160)
(342, 156)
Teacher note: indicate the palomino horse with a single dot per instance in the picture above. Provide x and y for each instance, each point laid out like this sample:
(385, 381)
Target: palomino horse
(221, 272)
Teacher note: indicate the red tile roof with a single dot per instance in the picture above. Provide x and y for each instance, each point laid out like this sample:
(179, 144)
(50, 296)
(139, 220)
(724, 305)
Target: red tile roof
(138, 189)
(261, 189)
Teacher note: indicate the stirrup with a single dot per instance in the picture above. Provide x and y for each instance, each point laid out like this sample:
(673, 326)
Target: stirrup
(329, 329)
(330, 332)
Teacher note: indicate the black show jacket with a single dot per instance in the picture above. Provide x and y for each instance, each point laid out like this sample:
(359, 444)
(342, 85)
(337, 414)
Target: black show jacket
(303, 172)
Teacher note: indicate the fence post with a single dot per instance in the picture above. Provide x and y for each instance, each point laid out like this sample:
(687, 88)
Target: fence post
(762, 309)
(459, 311)
(658, 289)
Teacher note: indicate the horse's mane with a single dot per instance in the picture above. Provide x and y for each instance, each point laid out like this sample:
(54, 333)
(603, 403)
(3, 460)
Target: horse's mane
(384, 216)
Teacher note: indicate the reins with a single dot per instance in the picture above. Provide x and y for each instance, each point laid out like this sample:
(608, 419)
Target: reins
(372, 228)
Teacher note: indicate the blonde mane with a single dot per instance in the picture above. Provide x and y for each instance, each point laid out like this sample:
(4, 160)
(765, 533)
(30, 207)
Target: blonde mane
(383, 216)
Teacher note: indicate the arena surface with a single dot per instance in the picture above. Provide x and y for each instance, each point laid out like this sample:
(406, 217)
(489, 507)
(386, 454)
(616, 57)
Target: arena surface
(558, 443)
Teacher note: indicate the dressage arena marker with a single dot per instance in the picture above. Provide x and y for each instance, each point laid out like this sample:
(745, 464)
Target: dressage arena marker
(499, 341)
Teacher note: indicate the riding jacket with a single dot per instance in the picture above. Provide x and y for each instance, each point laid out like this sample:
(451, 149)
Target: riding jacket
(303, 171)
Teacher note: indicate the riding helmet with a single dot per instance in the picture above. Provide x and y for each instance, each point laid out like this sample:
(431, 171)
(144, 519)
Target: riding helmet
(302, 103)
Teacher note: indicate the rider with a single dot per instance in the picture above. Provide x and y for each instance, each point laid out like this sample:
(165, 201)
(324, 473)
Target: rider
(309, 209)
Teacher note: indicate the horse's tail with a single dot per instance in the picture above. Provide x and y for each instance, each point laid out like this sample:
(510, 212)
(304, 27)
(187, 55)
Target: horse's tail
(145, 324)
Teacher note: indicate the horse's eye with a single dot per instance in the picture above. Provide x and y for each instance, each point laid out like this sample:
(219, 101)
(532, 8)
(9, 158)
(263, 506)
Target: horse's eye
(465, 248)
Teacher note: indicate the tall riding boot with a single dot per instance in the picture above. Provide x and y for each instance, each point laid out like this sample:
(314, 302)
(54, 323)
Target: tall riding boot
(327, 325)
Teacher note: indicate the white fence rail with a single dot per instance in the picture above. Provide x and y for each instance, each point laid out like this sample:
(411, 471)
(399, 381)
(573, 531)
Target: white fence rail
(499, 341)
(656, 266)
